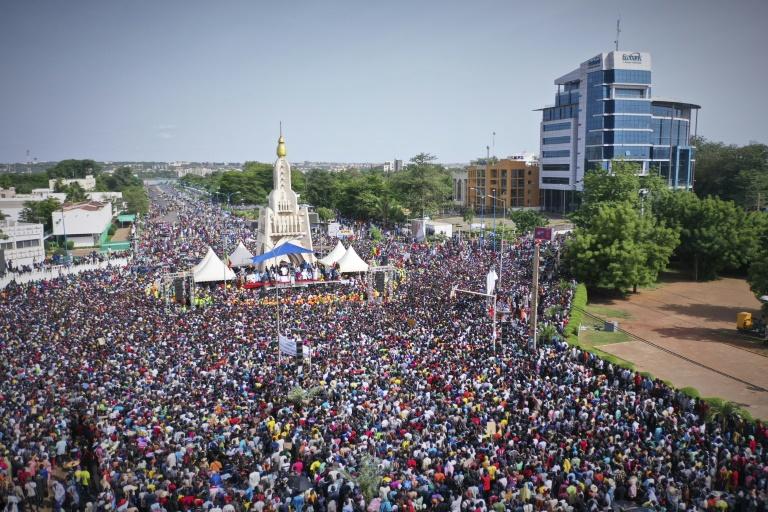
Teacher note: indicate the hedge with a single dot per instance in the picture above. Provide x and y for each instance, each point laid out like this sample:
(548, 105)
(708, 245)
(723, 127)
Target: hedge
(578, 303)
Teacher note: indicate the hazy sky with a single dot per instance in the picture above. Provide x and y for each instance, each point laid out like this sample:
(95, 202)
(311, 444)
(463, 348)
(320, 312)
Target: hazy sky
(358, 80)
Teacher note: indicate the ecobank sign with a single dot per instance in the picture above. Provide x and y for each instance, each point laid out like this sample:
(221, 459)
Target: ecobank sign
(632, 58)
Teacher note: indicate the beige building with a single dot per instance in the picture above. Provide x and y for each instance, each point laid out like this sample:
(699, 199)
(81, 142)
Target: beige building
(509, 183)
(88, 183)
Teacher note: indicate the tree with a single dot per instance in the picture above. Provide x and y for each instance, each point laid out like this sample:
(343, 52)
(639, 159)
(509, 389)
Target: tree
(75, 193)
(621, 184)
(39, 212)
(715, 235)
(526, 220)
(468, 215)
(757, 275)
(423, 186)
(620, 248)
(73, 169)
(325, 214)
(118, 181)
(719, 169)
(136, 200)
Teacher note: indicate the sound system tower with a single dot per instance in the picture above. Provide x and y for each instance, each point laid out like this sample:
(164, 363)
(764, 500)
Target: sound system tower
(178, 290)
(3, 265)
(379, 283)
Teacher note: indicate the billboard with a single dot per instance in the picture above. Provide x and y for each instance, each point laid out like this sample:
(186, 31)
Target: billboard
(542, 234)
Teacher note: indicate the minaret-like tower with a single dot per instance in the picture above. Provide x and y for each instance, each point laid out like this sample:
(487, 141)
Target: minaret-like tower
(283, 220)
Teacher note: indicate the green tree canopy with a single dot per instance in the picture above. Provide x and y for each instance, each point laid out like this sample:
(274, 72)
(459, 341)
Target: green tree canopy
(136, 199)
(731, 172)
(715, 235)
(40, 212)
(620, 248)
(422, 186)
(72, 169)
(526, 220)
(118, 181)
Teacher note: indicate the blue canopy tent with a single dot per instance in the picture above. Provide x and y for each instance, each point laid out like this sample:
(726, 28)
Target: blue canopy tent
(281, 250)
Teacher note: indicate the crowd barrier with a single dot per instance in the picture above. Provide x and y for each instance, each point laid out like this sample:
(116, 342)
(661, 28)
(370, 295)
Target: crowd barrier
(58, 271)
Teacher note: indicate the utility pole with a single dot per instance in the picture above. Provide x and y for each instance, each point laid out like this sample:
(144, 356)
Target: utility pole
(535, 292)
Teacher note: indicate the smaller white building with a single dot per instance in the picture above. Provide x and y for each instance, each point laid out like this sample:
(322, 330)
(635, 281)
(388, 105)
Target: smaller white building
(83, 223)
(87, 183)
(423, 228)
(23, 242)
(11, 203)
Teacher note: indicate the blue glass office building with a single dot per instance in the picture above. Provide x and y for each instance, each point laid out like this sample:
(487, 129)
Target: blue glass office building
(604, 110)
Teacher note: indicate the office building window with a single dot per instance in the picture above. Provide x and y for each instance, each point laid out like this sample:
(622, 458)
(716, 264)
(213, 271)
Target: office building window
(627, 137)
(556, 154)
(556, 167)
(627, 107)
(621, 92)
(594, 138)
(557, 140)
(611, 152)
(556, 126)
(555, 181)
(626, 76)
(632, 122)
(594, 153)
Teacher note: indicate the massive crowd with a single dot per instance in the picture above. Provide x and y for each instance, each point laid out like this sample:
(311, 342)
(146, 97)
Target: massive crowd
(109, 400)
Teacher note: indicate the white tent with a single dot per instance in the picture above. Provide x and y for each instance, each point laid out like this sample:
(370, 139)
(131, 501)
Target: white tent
(351, 262)
(335, 255)
(212, 269)
(240, 257)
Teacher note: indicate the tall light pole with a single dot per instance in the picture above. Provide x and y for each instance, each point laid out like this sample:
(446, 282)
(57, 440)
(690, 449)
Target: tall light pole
(501, 252)
(493, 195)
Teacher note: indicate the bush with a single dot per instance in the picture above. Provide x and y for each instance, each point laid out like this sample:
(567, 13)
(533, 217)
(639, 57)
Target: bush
(112, 229)
(70, 244)
(375, 234)
(691, 392)
(51, 246)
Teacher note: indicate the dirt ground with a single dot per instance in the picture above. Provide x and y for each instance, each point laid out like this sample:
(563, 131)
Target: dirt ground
(121, 234)
(697, 321)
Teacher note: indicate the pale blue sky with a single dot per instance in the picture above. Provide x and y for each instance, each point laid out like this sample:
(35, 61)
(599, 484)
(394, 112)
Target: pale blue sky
(351, 80)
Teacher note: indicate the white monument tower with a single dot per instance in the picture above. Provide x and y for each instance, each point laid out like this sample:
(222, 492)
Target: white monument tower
(283, 220)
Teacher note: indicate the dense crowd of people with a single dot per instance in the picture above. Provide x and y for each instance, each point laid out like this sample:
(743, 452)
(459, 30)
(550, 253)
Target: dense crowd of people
(109, 400)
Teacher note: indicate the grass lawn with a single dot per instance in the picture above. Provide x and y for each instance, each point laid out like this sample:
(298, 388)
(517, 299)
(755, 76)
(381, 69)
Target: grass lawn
(597, 338)
(607, 312)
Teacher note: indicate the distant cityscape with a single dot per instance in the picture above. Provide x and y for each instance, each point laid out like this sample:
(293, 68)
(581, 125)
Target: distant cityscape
(182, 168)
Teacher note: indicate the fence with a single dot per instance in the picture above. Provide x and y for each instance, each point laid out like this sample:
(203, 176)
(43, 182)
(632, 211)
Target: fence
(58, 271)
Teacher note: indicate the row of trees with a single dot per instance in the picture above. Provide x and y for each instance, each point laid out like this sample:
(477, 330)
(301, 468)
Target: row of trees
(736, 173)
(630, 226)
(423, 186)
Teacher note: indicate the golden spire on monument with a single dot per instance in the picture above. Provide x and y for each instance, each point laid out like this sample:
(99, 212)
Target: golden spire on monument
(281, 152)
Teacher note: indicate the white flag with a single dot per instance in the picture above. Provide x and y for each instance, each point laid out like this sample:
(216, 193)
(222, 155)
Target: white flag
(287, 345)
(306, 351)
(490, 281)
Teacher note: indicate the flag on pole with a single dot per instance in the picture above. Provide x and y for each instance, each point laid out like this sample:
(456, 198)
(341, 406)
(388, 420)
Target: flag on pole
(287, 345)
(490, 281)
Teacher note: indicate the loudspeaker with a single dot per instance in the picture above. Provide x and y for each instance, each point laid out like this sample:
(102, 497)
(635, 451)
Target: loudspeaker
(379, 282)
(178, 290)
(299, 350)
(2, 262)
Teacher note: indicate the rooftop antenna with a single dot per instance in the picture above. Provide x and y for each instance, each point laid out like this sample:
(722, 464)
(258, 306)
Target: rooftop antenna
(281, 128)
(618, 31)
(493, 142)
